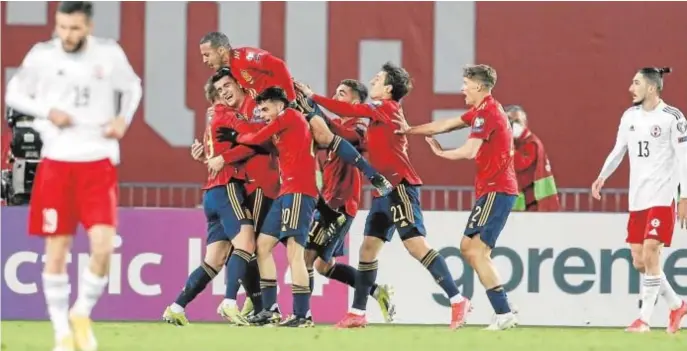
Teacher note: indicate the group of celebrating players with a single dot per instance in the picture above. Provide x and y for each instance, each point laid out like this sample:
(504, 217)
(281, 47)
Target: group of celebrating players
(259, 148)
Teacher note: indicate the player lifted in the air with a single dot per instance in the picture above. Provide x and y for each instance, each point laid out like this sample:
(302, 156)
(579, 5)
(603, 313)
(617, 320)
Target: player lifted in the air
(490, 143)
(69, 85)
(229, 221)
(341, 189)
(655, 135)
(256, 70)
(400, 210)
(288, 220)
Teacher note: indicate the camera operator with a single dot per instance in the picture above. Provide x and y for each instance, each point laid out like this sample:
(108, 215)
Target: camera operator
(24, 156)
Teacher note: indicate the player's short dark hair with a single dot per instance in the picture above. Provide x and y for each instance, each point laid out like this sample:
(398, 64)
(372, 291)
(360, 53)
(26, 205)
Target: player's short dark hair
(272, 94)
(654, 75)
(484, 74)
(211, 93)
(357, 87)
(399, 79)
(71, 7)
(216, 40)
(221, 73)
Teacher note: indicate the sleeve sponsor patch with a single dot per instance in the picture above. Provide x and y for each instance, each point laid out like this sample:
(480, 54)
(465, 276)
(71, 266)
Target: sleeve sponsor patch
(478, 125)
(682, 127)
(682, 139)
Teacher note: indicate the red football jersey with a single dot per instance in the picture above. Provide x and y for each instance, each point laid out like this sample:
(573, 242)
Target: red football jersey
(290, 134)
(342, 183)
(220, 116)
(256, 70)
(494, 160)
(387, 151)
(262, 171)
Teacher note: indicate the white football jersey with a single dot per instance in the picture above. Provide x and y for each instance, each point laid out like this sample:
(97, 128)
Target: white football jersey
(657, 145)
(93, 86)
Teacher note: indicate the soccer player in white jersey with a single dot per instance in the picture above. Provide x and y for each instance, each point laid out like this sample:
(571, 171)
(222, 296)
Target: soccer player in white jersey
(655, 135)
(83, 93)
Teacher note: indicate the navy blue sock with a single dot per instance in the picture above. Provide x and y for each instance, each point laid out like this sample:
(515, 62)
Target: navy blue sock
(311, 276)
(251, 283)
(301, 300)
(269, 293)
(196, 283)
(367, 274)
(346, 274)
(436, 265)
(350, 155)
(236, 270)
(499, 300)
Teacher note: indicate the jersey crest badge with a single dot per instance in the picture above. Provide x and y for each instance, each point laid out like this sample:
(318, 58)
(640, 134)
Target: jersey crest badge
(682, 127)
(478, 124)
(246, 76)
(655, 131)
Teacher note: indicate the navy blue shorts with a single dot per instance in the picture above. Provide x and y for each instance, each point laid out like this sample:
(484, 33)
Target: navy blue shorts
(335, 246)
(290, 216)
(399, 210)
(259, 205)
(225, 211)
(489, 216)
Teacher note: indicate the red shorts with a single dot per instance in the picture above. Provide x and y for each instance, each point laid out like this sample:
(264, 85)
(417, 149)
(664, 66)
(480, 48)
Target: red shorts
(653, 223)
(66, 193)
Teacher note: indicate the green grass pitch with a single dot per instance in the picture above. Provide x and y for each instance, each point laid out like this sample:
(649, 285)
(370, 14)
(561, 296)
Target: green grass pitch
(125, 336)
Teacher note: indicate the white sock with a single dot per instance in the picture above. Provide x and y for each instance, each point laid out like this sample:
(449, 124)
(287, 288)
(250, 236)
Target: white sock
(176, 308)
(90, 289)
(357, 312)
(229, 302)
(56, 290)
(652, 286)
(667, 292)
(456, 299)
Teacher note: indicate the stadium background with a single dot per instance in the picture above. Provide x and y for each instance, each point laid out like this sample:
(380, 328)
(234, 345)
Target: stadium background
(568, 64)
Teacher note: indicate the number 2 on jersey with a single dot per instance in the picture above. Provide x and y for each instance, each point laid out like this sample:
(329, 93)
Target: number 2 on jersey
(643, 149)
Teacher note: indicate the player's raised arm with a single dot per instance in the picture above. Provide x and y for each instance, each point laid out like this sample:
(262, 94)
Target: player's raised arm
(22, 89)
(433, 128)
(127, 83)
(614, 158)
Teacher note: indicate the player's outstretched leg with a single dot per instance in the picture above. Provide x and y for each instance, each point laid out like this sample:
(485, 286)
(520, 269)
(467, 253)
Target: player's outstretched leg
(678, 307)
(270, 315)
(56, 289)
(346, 274)
(236, 266)
(300, 288)
(347, 152)
(365, 279)
(91, 285)
(478, 255)
(216, 254)
(651, 285)
(251, 283)
(418, 247)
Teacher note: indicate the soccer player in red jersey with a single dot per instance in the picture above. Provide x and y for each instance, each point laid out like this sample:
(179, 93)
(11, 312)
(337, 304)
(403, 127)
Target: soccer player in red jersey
(288, 220)
(256, 70)
(400, 209)
(230, 223)
(491, 145)
(341, 190)
(261, 171)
